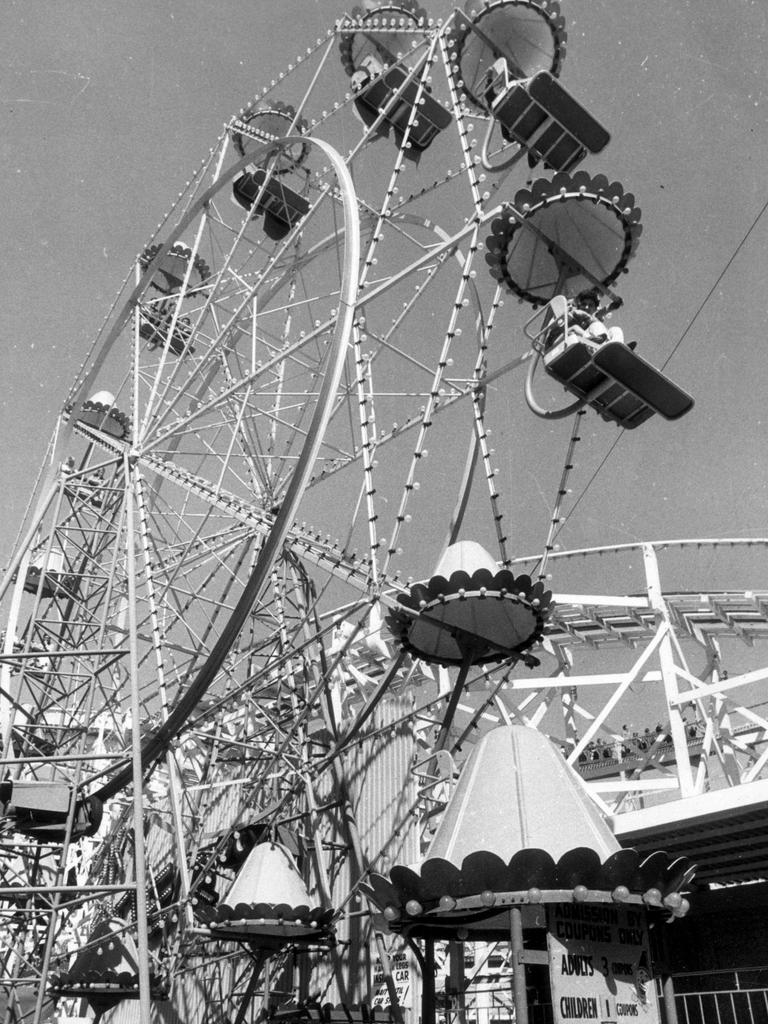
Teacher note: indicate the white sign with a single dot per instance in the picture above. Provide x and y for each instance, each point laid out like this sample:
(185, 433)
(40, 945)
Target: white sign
(401, 975)
(599, 964)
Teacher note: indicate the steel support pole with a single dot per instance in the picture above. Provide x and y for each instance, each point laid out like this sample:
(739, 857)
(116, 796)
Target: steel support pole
(518, 967)
(137, 774)
(442, 739)
(667, 983)
(666, 659)
(457, 982)
(428, 1008)
(668, 991)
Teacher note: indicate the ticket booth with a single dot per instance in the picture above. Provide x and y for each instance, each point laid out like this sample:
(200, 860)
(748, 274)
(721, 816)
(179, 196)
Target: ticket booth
(522, 857)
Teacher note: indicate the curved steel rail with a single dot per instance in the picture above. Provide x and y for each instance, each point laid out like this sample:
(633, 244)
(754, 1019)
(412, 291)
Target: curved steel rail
(539, 410)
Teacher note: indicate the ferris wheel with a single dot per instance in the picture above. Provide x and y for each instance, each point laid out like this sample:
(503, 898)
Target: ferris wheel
(248, 603)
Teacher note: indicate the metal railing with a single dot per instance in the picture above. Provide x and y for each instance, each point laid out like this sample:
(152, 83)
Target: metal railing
(723, 997)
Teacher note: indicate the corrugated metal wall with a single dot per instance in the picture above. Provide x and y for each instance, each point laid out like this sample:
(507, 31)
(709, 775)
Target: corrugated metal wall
(383, 796)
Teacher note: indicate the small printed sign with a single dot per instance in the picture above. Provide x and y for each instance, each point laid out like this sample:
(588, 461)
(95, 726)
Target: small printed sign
(599, 964)
(401, 975)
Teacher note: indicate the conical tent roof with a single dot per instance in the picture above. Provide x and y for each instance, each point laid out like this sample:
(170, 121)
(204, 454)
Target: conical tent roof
(110, 947)
(516, 792)
(129, 1012)
(268, 875)
(465, 556)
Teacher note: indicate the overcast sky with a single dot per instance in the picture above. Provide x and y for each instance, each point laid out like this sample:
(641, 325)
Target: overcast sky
(108, 107)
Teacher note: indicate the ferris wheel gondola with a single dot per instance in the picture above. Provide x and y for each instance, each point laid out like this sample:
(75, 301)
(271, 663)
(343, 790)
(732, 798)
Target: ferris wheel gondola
(594, 364)
(542, 118)
(561, 238)
(395, 98)
(274, 190)
(384, 55)
(529, 36)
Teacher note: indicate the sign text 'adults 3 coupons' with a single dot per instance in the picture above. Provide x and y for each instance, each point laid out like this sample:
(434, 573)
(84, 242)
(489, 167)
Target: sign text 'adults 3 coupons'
(599, 964)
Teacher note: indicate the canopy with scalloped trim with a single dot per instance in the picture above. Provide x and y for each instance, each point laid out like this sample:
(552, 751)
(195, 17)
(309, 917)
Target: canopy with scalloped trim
(521, 829)
(563, 236)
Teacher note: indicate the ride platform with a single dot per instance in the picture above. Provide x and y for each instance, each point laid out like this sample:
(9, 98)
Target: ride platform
(542, 117)
(376, 99)
(282, 206)
(616, 382)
